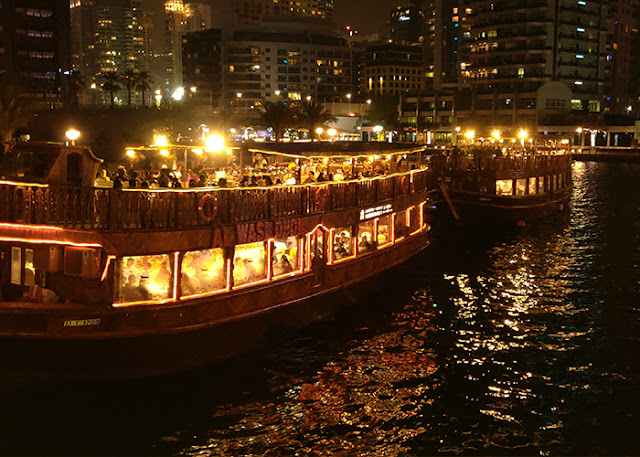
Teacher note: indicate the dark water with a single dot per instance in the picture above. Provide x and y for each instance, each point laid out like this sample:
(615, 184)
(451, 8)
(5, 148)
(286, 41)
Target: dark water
(517, 343)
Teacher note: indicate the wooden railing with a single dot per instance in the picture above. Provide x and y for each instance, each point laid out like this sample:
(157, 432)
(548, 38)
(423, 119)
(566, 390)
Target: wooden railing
(142, 209)
(441, 164)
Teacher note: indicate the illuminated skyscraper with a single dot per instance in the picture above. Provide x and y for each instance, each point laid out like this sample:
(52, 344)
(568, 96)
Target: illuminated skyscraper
(181, 18)
(107, 36)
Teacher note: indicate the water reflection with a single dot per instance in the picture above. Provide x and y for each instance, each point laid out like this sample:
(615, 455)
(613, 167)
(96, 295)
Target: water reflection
(492, 343)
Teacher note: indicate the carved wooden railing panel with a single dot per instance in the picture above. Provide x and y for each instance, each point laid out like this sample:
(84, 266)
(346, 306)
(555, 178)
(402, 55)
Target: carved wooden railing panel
(115, 209)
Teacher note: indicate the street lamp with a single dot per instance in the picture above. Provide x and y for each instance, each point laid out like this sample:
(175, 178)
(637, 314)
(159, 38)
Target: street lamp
(161, 140)
(349, 98)
(215, 143)
(470, 134)
(131, 153)
(496, 135)
(277, 93)
(72, 135)
(522, 134)
(319, 131)
(308, 98)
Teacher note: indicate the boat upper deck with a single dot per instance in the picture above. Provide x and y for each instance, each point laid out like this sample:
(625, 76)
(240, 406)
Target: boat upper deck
(106, 209)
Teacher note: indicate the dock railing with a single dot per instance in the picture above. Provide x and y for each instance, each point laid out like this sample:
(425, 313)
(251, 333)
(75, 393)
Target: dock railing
(152, 209)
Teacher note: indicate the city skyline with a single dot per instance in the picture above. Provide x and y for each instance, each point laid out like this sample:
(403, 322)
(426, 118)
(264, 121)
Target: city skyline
(367, 16)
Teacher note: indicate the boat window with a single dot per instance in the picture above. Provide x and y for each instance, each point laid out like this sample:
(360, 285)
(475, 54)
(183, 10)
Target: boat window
(555, 182)
(400, 225)
(249, 263)
(560, 181)
(145, 278)
(365, 237)
(521, 187)
(16, 266)
(285, 258)
(29, 269)
(203, 272)
(414, 219)
(504, 187)
(342, 243)
(541, 180)
(533, 186)
(384, 231)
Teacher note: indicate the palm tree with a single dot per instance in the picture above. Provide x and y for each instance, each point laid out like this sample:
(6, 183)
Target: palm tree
(16, 110)
(279, 117)
(315, 115)
(130, 79)
(111, 84)
(78, 85)
(143, 84)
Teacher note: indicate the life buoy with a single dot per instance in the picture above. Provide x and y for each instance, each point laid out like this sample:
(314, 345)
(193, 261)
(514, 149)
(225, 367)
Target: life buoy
(404, 184)
(321, 198)
(208, 207)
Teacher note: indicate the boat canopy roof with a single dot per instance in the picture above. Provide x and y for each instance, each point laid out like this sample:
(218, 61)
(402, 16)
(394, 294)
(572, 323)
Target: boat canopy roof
(337, 150)
(50, 163)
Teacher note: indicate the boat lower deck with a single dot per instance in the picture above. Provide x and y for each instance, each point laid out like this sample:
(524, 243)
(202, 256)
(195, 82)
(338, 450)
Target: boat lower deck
(84, 341)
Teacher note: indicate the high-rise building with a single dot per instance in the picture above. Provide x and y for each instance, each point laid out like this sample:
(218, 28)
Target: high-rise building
(35, 46)
(407, 25)
(202, 66)
(108, 36)
(622, 68)
(257, 8)
(259, 66)
(391, 69)
(181, 18)
(516, 48)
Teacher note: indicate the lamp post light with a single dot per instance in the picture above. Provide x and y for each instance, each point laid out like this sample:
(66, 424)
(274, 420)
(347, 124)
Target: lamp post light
(522, 134)
(349, 98)
(72, 135)
(319, 132)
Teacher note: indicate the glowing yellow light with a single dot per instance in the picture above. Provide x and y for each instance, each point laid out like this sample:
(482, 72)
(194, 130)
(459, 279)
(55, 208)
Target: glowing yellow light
(579, 130)
(522, 134)
(319, 130)
(470, 134)
(215, 143)
(72, 134)
(198, 151)
(332, 132)
(378, 128)
(496, 134)
(161, 140)
(164, 153)
(131, 153)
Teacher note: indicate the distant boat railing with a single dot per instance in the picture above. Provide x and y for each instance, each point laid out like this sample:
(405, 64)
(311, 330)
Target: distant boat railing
(464, 162)
(145, 209)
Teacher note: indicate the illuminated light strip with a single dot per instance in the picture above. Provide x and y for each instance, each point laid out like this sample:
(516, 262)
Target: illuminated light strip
(57, 242)
(343, 259)
(29, 226)
(148, 302)
(308, 256)
(176, 146)
(392, 229)
(176, 269)
(331, 235)
(31, 184)
(205, 294)
(269, 259)
(106, 267)
(228, 275)
(408, 216)
(368, 154)
(249, 284)
(398, 240)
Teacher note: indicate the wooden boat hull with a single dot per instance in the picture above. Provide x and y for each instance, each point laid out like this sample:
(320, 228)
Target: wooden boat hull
(39, 345)
(476, 208)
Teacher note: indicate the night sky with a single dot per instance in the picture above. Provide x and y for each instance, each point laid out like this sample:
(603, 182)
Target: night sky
(365, 16)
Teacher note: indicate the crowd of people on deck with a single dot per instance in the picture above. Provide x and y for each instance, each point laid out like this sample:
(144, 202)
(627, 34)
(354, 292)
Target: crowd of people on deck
(259, 174)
